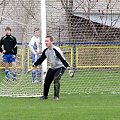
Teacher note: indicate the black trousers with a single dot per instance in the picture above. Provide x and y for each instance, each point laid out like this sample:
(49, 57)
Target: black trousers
(53, 74)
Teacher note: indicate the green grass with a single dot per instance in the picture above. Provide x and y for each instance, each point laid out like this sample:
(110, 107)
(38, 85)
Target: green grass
(1, 75)
(69, 107)
(85, 81)
(91, 95)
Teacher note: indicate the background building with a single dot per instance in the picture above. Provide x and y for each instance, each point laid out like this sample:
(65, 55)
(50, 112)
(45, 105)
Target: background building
(75, 20)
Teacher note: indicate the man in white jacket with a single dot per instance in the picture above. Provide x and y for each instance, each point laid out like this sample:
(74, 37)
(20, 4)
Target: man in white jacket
(34, 46)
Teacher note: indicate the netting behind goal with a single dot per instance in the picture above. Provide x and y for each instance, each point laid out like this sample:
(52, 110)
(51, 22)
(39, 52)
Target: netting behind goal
(22, 17)
(88, 32)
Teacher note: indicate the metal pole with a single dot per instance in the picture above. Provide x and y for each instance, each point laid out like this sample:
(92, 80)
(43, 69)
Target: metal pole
(59, 35)
(43, 32)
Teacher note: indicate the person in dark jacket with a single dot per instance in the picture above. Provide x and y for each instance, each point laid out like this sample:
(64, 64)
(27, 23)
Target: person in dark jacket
(8, 47)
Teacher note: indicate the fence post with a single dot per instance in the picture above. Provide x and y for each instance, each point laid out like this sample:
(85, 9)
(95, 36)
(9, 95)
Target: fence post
(74, 56)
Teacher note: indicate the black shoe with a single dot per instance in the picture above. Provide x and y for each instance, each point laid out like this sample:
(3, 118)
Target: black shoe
(44, 97)
(56, 98)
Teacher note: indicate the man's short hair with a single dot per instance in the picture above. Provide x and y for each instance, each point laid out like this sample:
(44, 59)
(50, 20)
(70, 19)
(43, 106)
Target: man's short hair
(51, 38)
(36, 29)
(8, 28)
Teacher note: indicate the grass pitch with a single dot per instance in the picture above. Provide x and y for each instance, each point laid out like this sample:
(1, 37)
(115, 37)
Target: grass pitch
(92, 95)
(69, 107)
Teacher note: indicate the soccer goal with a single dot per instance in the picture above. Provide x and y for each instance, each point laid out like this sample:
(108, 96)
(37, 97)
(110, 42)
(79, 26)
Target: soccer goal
(88, 32)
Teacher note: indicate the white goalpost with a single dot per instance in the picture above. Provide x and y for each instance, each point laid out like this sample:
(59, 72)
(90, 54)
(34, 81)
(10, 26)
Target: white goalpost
(43, 34)
(23, 86)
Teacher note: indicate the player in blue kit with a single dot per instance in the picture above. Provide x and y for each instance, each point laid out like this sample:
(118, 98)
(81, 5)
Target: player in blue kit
(34, 46)
(8, 47)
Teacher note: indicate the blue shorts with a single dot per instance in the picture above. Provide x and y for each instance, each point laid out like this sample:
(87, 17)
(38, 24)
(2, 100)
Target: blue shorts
(8, 58)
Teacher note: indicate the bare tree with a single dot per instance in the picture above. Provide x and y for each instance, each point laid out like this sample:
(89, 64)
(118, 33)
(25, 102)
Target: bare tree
(2, 4)
(68, 6)
(20, 14)
(87, 7)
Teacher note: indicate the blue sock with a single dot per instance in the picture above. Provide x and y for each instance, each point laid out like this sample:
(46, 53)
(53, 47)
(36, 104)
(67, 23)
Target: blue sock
(14, 75)
(39, 74)
(7, 74)
(33, 75)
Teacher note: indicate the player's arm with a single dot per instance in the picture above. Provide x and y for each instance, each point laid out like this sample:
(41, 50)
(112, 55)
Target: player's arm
(65, 63)
(15, 47)
(31, 44)
(41, 59)
(1, 46)
(32, 49)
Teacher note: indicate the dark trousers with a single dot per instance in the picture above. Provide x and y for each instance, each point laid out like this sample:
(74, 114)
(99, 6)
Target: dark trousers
(53, 74)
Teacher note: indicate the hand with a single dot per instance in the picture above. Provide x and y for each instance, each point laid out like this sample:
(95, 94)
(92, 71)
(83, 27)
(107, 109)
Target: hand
(32, 68)
(71, 73)
(14, 56)
(35, 53)
(68, 68)
(4, 51)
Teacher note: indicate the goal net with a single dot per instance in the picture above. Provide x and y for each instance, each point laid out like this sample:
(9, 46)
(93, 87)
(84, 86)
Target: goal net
(88, 32)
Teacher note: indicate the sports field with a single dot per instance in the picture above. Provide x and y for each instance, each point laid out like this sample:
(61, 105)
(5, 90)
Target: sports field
(69, 107)
(86, 81)
(97, 98)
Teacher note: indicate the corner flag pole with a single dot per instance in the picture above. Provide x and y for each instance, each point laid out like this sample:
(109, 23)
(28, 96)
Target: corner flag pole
(43, 33)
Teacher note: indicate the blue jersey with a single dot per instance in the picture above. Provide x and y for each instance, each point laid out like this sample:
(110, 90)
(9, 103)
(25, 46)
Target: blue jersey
(34, 47)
